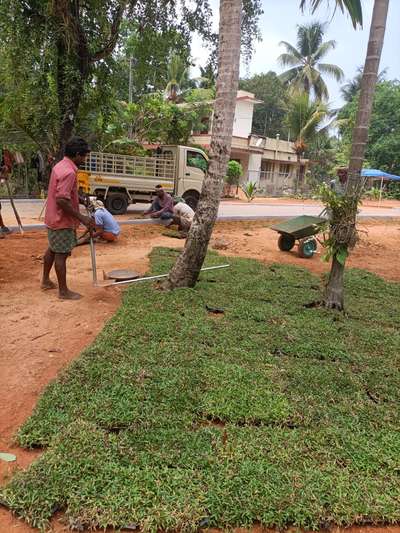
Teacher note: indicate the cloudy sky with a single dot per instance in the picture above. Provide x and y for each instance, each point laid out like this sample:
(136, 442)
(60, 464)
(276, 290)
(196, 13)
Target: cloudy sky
(279, 23)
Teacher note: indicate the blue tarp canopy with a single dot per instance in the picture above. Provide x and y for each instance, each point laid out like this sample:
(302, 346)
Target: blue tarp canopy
(380, 174)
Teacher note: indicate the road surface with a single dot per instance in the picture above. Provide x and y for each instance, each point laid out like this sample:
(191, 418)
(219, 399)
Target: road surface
(30, 210)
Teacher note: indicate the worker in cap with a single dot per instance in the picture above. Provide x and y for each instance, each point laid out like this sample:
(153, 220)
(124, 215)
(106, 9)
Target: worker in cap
(106, 227)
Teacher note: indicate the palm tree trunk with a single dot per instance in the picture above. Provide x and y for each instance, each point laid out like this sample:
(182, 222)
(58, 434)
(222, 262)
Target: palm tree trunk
(187, 267)
(334, 289)
(296, 188)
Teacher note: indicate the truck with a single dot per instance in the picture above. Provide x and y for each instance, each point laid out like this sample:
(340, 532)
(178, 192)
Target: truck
(120, 180)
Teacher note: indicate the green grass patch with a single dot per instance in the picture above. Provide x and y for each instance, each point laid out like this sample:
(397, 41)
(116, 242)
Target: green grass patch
(176, 418)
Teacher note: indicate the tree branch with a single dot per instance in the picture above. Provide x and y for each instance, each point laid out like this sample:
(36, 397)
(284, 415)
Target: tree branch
(114, 33)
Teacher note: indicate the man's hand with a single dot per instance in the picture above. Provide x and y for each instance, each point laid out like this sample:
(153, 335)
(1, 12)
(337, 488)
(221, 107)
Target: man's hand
(88, 222)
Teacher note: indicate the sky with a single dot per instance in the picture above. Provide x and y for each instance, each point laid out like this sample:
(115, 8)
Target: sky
(279, 21)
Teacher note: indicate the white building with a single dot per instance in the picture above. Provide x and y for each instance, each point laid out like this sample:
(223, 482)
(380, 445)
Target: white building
(271, 163)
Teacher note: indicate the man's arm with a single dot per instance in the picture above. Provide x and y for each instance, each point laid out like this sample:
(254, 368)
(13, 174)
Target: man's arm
(66, 206)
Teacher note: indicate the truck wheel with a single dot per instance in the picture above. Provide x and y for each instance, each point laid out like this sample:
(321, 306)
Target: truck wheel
(192, 199)
(117, 203)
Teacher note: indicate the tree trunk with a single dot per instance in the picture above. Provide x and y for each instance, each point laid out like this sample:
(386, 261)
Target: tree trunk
(72, 74)
(334, 296)
(334, 289)
(296, 188)
(187, 267)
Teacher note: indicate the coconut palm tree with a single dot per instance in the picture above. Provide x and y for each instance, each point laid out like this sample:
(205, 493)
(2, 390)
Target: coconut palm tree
(306, 61)
(343, 223)
(187, 267)
(305, 119)
(178, 75)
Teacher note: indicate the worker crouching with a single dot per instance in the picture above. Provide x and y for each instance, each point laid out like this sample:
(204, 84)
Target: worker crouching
(106, 227)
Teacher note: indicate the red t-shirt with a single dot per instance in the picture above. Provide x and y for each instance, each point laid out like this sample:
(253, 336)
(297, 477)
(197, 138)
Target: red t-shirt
(63, 184)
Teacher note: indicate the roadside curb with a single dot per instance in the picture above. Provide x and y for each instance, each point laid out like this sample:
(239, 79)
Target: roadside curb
(233, 218)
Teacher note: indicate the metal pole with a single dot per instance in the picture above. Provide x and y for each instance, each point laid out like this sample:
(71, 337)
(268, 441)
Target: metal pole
(131, 80)
(149, 278)
(93, 256)
(17, 217)
(92, 250)
(130, 97)
(380, 192)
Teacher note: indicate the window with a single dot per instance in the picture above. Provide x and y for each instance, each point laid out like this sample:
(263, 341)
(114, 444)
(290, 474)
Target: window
(284, 170)
(196, 160)
(267, 166)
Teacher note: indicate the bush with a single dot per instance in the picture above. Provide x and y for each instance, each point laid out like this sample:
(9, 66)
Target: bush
(233, 173)
(394, 190)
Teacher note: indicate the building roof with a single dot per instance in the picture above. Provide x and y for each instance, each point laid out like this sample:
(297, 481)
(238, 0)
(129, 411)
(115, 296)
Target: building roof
(247, 97)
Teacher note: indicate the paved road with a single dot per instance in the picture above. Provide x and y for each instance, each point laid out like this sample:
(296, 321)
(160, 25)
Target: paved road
(30, 209)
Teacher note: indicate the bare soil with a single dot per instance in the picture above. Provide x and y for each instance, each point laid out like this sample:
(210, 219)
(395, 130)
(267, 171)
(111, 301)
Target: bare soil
(42, 334)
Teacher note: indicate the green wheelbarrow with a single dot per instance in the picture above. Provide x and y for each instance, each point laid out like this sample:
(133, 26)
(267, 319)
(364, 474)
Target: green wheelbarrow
(301, 229)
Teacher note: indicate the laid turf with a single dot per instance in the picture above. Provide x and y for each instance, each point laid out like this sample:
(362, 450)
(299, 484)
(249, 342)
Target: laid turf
(178, 418)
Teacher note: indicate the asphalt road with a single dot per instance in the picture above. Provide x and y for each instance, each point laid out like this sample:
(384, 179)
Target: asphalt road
(29, 211)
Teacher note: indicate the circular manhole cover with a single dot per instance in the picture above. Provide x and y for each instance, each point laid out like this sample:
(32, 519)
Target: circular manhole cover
(123, 275)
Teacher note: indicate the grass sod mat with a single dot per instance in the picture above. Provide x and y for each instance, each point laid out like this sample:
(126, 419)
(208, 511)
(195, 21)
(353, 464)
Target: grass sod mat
(271, 412)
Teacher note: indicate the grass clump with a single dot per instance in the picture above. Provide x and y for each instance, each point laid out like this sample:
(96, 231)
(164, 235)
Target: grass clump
(176, 418)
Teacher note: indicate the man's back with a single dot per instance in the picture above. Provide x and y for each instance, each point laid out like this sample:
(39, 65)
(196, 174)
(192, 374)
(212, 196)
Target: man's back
(104, 219)
(63, 184)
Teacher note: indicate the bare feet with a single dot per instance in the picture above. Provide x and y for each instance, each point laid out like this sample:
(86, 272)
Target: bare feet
(69, 295)
(47, 285)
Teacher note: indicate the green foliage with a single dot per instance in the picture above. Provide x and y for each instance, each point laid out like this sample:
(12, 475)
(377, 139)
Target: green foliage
(151, 48)
(374, 193)
(306, 68)
(268, 117)
(353, 8)
(394, 190)
(65, 64)
(305, 118)
(234, 172)
(383, 148)
(271, 413)
(321, 151)
(250, 190)
(340, 232)
(152, 119)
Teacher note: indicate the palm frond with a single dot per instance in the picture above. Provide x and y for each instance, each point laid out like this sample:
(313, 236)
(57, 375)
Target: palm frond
(290, 49)
(324, 49)
(288, 60)
(353, 7)
(289, 76)
(332, 70)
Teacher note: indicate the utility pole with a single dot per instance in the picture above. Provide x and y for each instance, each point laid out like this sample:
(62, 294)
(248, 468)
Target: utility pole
(130, 96)
(131, 80)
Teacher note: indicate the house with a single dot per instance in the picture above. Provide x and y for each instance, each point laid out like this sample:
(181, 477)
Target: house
(270, 163)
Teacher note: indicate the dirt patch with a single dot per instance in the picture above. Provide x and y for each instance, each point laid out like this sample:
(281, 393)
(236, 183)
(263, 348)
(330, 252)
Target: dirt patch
(44, 334)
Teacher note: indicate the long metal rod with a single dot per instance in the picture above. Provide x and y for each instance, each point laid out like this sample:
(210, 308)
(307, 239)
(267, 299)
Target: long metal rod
(149, 278)
(17, 217)
(93, 255)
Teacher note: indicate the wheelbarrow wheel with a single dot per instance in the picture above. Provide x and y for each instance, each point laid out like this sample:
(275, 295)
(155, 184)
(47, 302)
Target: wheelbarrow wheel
(286, 242)
(307, 248)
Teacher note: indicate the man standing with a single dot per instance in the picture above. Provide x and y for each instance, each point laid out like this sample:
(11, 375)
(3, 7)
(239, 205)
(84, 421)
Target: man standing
(162, 207)
(63, 216)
